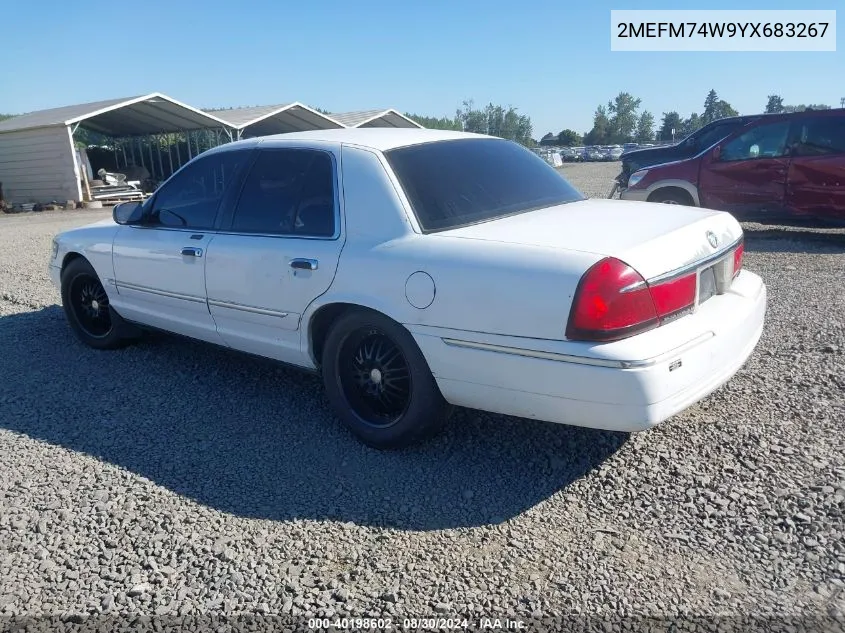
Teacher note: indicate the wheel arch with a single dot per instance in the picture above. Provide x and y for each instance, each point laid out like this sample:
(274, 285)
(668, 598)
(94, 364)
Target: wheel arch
(318, 319)
(683, 186)
(70, 256)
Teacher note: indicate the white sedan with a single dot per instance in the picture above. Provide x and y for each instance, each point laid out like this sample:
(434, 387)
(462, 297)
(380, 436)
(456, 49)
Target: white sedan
(420, 269)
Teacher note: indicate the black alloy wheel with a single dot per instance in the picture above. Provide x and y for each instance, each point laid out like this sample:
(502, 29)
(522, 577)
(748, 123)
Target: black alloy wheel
(375, 377)
(90, 305)
(378, 381)
(88, 309)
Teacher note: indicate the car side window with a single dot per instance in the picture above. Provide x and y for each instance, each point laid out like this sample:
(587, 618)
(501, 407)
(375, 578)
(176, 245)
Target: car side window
(190, 199)
(820, 136)
(714, 135)
(761, 141)
(288, 192)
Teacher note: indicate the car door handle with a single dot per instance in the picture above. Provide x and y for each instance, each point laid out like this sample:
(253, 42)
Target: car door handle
(191, 251)
(303, 264)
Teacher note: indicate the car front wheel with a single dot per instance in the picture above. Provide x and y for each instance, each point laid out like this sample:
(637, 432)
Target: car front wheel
(379, 383)
(87, 308)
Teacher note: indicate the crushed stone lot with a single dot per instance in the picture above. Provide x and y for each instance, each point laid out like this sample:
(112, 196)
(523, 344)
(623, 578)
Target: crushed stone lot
(175, 478)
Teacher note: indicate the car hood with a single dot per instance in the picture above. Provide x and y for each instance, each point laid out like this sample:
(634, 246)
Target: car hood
(653, 238)
(640, 158)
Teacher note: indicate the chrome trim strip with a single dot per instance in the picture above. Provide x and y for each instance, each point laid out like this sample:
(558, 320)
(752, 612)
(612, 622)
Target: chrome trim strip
(697, 265)
(284, 236)
(634, 286)
(580, 360)
(245, 308)
(156, 291)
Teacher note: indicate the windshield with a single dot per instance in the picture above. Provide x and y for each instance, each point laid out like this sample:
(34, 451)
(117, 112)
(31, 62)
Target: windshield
(466, 181)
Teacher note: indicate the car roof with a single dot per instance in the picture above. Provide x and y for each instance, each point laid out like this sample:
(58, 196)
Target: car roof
(381, 139)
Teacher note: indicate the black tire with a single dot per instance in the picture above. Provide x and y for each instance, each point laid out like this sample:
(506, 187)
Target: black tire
(86, 305)
(379, 383)
(671, 196)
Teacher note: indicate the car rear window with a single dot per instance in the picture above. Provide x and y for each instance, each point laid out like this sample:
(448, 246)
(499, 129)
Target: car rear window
(459, 182)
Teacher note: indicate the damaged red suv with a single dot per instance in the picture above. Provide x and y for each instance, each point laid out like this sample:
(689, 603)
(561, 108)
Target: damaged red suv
(780, 167)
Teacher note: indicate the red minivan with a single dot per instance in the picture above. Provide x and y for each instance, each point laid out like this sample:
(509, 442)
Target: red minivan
(781, 166)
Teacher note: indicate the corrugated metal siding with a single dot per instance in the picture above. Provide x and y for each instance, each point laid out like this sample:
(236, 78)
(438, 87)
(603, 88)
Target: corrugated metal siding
(354, 119)
(37, 165)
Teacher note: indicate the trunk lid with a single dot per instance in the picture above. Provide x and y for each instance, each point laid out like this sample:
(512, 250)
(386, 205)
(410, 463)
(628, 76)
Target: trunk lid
(653, 238)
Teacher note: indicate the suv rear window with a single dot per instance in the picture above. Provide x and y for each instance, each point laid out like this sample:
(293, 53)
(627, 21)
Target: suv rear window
(467, 181)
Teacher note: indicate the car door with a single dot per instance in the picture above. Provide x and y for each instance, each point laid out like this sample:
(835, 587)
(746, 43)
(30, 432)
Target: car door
(159, 263)
(816, 183)
(277, 250)
(747, 174)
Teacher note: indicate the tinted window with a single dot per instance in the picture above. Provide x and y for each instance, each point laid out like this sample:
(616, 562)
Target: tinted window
(821, 136)
(761, 141)
(454, 183)
(190, 199)
(712, 136)
(287, 192)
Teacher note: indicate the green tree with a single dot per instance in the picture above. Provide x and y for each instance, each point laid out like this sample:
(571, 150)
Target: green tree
(645, 128)
(774, 104)
(496, 120)
(3, 117)
(568, 138)
(435, 123)
(623, 117)
(671, 121)
(693, 123)
(548, 139)
(802, 108)
(600, 134)
(715, 108)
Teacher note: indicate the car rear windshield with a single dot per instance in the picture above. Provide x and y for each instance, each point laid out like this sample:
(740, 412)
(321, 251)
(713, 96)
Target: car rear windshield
(467, 181)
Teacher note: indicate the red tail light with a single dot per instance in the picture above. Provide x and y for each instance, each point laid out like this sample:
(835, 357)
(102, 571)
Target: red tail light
(613, 301)
(738, 253)
(675, 295)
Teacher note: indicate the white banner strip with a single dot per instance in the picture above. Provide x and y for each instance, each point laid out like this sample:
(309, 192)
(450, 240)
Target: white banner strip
(746, 30)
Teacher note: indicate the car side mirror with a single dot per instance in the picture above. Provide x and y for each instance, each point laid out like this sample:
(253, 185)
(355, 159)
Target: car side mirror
(717, 152)
(128, 212)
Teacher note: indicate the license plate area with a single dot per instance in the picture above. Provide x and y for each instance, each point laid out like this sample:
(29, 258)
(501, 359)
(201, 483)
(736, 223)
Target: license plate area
(706, 284)
(715, 279)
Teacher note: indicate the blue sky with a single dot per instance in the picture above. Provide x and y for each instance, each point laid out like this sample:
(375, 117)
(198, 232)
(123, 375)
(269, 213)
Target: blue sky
(551, 59)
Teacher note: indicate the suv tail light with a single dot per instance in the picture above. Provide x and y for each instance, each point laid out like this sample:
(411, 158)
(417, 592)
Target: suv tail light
(738, 253)
(613, 302)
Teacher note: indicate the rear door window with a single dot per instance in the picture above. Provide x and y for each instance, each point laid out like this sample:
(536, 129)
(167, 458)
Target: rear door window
(821, 136)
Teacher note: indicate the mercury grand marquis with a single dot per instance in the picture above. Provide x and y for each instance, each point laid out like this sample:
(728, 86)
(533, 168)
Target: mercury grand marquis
(416, 270)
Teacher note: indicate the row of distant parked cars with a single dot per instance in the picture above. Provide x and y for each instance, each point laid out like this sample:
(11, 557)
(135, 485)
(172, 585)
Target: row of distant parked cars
(764, 167)
(597, 153)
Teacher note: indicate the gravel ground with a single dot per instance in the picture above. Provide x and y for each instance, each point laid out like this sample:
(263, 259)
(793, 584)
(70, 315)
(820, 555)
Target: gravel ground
(177, 478)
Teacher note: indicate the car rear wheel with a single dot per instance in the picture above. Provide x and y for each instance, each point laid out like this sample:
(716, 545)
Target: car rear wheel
(379, 383)
(671, 196)
(88, 311)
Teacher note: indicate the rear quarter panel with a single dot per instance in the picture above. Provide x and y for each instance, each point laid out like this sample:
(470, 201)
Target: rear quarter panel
(477, 285)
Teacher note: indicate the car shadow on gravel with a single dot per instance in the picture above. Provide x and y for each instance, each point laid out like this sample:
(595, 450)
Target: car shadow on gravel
(255, 439)
(793, 240)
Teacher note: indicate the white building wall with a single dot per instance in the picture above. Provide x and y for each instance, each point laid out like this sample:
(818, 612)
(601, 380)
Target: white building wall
(38, 165)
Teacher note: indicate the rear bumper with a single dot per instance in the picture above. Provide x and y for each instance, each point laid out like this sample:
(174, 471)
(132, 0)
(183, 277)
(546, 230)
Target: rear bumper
(663, 371)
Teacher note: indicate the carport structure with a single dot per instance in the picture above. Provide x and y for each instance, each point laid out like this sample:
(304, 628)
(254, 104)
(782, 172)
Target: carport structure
(275, 119)
(39, 162)
(375, 118)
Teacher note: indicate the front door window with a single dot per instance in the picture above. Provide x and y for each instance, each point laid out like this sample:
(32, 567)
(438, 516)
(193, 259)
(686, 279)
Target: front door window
(762, 141)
